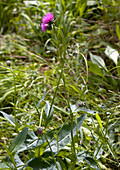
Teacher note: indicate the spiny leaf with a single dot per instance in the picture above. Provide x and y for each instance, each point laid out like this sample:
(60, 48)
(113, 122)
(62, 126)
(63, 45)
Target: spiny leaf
(14, 147)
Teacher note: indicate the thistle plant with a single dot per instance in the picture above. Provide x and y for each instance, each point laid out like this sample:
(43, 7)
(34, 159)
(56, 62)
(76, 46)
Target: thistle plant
(47, 21)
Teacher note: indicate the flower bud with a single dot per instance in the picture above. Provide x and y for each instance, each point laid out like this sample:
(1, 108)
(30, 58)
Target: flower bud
(8, 62)
(39, 130)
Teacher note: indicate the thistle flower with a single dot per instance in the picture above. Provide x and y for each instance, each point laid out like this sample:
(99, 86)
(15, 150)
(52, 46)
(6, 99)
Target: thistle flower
(46, 21)
(47, 18)
(44, 26)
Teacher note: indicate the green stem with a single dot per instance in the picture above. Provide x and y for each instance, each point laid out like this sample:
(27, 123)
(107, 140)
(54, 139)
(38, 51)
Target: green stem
(12, 159)
(54, 96)
(62, 61)
(73, 144)
(71, 116)
(15, 117)
(41, 118)
(51, 152)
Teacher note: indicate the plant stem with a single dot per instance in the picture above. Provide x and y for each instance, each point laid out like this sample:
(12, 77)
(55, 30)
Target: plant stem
(54, 96)
(51, 152)
(71, 117)
(16, 123)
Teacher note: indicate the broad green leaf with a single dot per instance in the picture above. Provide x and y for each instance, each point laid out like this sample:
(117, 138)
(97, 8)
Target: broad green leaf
(112, 54)
(92, 162)
(64, 133)
(31, 142)
(94, 68)
(62, 163)
(45, 161)
(9, 118)
(38, 151)
(98, 60)
(14, 147)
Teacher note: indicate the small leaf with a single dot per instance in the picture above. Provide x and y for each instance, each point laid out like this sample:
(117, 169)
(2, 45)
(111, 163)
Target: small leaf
(76, 108)
(99, 120)
(9, 118)
(92, 163)
(38, 151)
(118, 68)
(118, 31)
(47, 109)
(82, 8)
(62, 110)
(14, 147)
(98, 60)
(112, 54)
(48, 113)
(95, 69)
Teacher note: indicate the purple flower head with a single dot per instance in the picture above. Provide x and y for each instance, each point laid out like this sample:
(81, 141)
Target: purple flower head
(44, 26)
(47, 18)
(39, 130)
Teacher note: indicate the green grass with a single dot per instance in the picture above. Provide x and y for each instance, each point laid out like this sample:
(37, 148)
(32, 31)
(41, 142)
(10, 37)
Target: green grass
(63, 81)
